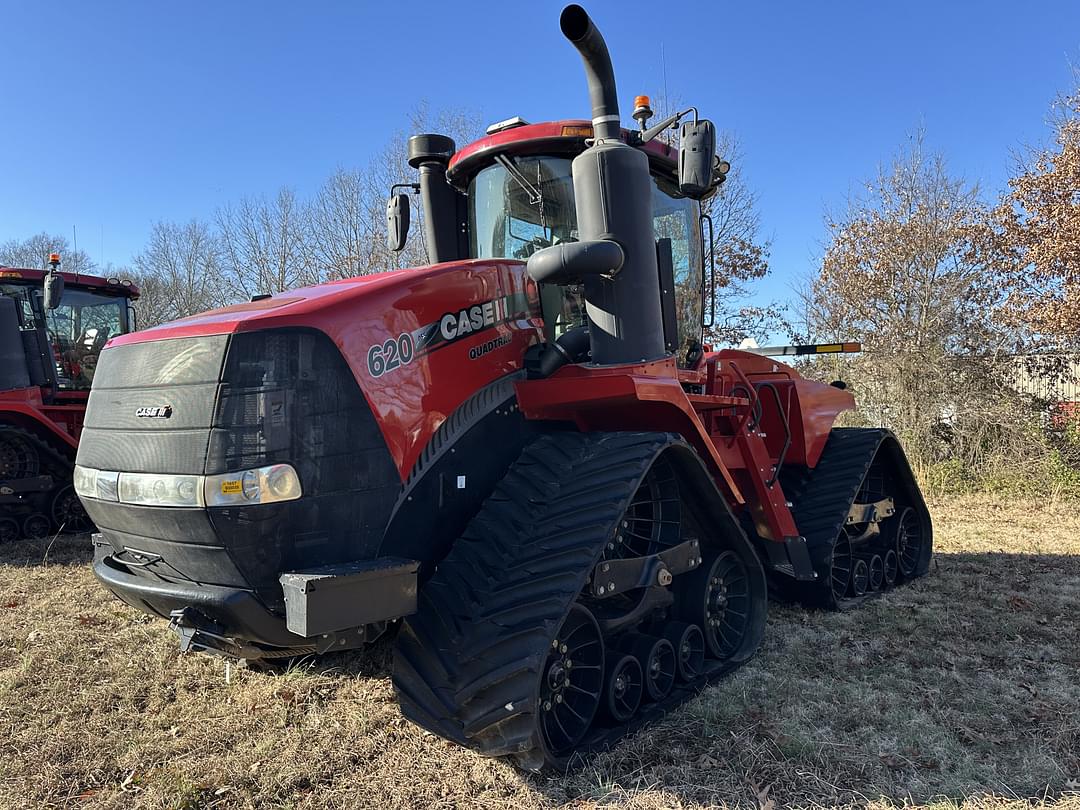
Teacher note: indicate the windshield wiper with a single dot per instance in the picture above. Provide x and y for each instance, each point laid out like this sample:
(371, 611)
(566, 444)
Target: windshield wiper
(535, 197)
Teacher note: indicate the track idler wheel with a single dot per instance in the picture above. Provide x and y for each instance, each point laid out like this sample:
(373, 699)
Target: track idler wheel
(657, 659)
(860, 577)
(716, 597)
(840, 568)
(9, 530)
(909, 542)
(571, 681)
(890, 566)
(36, 526)
(877, 572)
(689, 644)
(623, 687)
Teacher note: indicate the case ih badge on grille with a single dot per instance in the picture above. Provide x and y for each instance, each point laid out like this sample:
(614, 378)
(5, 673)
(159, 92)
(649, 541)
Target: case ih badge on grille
(154, 412)
(574, 518)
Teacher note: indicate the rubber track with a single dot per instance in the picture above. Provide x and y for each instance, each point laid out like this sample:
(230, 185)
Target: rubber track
(53, 463)
(466, 664)
(824, 495)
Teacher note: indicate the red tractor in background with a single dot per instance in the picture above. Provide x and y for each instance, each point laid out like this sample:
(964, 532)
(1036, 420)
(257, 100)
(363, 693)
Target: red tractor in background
(53, 327)
(522, 456)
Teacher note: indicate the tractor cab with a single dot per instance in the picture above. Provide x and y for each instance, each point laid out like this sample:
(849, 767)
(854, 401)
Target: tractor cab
(59, 334)
(511, 194)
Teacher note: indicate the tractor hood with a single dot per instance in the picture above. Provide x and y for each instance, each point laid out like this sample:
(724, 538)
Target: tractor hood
(418, 342)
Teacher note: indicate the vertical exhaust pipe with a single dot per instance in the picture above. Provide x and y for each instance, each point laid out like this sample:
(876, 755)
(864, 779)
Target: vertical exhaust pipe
(613, 195)
(579, 29)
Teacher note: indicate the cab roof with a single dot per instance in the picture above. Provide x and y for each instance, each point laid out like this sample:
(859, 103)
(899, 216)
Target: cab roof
(551, 137)
(84, 281)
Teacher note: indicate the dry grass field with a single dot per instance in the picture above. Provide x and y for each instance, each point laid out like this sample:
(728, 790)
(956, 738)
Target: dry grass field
(963, 689)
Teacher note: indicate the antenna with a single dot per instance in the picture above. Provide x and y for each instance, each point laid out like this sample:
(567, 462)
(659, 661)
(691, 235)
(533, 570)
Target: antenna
(75, 251)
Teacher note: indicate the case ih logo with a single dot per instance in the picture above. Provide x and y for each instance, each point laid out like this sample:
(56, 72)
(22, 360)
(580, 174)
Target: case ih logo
(154, 412)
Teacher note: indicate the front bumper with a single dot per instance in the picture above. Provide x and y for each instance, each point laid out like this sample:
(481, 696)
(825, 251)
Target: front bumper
(234, 622)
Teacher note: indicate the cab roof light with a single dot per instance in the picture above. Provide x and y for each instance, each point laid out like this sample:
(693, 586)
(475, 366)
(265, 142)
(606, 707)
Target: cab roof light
(509, 123)
(10, 274)
(112, 280)
(577, 132)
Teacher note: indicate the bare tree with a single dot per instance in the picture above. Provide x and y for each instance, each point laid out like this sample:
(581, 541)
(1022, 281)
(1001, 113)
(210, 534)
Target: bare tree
(266, 245)
(33, 253)
(349, 213)
(179, 272)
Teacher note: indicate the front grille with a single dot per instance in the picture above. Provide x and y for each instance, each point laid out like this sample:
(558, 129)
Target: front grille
(275, 396)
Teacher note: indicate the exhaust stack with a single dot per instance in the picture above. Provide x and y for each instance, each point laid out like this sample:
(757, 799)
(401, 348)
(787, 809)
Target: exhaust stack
(579, 29)
(613, 195)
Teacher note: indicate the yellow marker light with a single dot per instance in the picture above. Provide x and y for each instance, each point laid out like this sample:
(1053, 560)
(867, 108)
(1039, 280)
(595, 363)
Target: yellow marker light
(577, 132)
(10, 274)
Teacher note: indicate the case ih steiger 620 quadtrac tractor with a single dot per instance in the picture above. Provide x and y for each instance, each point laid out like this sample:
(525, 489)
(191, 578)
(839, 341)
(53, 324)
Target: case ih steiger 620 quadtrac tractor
(522, 455)
(50, 339)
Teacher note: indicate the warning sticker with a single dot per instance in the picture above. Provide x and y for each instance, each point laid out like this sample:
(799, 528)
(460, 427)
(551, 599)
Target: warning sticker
(231, 487)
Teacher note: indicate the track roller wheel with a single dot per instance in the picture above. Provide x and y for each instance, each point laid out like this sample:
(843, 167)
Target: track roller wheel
(860, 577)
(572, 681)
(716, 597)
(36, 526)
(9, 530)
(657, 659)
(68, 513)
(877, 572)
(909, 542)
(890, 568)
(689, 644)
(623, 687)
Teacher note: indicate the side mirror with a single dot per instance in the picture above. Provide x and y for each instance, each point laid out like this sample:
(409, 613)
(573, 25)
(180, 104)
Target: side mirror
(697, 156)
(397, 222)
(54, 290)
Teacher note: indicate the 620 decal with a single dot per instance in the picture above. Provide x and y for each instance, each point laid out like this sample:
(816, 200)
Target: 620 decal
(383, 358)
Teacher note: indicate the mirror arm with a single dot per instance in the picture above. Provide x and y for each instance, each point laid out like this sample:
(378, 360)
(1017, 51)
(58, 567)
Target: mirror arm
(640, 138)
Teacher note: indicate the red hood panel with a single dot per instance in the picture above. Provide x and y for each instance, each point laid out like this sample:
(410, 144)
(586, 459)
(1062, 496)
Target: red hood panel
(461, 326)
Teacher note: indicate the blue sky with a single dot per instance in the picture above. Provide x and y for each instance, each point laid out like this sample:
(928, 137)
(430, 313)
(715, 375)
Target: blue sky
(116, 114)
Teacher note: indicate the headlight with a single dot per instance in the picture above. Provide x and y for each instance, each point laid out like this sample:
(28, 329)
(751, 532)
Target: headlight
(148, 489)
(100, 484)
(278, 482)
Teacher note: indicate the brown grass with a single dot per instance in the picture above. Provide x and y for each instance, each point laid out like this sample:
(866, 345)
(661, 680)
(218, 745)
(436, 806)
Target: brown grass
(963, 689)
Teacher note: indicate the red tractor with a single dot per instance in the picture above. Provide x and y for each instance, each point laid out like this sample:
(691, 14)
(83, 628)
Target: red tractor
(522, 456)
(53, 327)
